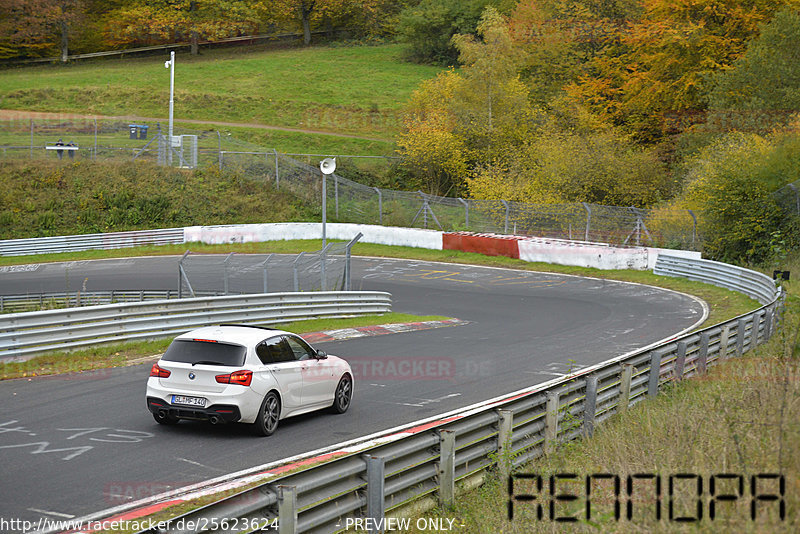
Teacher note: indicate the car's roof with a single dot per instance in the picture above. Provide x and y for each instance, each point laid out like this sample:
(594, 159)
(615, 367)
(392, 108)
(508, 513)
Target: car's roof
(239, 334)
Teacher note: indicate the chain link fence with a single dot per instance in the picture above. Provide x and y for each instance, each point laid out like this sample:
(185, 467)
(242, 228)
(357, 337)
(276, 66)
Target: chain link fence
(328, 269)
(348, 200)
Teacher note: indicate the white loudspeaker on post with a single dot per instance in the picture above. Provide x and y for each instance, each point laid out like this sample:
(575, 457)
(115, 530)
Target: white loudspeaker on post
(327, 165)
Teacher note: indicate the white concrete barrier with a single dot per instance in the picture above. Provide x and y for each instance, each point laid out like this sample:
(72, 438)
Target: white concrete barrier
(247, 233)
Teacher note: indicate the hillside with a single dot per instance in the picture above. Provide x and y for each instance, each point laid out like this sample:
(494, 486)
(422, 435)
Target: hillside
(52, 198)
(356, 90)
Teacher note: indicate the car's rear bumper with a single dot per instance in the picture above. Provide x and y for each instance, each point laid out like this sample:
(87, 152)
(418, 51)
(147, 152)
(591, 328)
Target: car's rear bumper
(226, 413)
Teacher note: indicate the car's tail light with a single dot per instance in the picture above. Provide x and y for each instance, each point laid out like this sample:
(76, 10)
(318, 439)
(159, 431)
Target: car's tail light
(242, 378)
(159, 372)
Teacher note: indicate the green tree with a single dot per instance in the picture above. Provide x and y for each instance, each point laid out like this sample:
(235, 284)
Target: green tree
(731, 184)
(427, 27)
(761, 90)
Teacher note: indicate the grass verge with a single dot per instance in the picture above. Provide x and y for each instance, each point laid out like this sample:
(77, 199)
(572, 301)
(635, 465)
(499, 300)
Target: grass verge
(741, 419)
(119, 355)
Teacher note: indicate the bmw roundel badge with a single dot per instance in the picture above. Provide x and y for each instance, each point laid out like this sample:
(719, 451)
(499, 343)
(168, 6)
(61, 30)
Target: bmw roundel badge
(191, 376)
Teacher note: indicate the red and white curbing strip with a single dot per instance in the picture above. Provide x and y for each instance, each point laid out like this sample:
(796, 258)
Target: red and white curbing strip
(377, 330)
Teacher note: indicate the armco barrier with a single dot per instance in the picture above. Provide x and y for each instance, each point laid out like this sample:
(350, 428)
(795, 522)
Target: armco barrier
(74, 243)
(27, 334)
(428, 458)
(755, 285)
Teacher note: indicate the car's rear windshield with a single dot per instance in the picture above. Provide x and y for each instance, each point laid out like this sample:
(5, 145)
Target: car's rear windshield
(205, 352)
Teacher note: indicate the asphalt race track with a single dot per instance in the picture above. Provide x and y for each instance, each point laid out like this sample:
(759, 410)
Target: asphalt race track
(80, 443)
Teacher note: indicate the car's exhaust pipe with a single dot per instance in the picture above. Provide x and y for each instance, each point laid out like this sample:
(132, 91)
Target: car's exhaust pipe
(214, 419)
(162, 414)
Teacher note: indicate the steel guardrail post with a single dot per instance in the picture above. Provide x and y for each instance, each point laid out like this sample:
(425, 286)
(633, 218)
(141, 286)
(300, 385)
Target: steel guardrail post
(588, 219)
(508, 209)
(287, 509)
(590, 405)
(551, 421)
(655, 373)
(702, 354)
(768, 321)
(741, 326)
(755, 328)
(680, 360)
(447, 469)
(376, 506)
(504, 444)
(724, 338)
(625, 377)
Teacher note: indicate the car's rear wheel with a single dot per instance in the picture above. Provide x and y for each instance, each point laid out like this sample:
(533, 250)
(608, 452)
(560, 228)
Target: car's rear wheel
(165, 418)
(268, 415)
(343, 395)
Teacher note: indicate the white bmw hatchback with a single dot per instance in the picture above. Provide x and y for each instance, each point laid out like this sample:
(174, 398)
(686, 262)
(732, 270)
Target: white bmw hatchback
(245, 374)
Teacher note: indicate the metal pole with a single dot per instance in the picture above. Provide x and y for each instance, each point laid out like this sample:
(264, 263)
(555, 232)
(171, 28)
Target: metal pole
(380, 205)
(680, 360)
(181, 274)
(588, 220)
(225, 272)
(702, 355)
(466, 212)
(504, 444)
(277, 176)
(323, 259)
(324, 207)
(694, 227)
(265, 271)
(625, 388)
(505, 227)
(31, 138)
(287, 509)
(590, 405)
(294, 271)
(94, 156)
(219, 151)
(447, 468)
(551, 422)
(348, 254)
(336, 194)
(171, 103)
(376, 508)
(655, 373)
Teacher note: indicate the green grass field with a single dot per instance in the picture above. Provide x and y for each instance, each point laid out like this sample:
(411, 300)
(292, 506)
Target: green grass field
(356, 90)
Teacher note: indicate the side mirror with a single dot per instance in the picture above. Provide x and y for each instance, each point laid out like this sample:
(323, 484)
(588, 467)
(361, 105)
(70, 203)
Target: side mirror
(322, 355)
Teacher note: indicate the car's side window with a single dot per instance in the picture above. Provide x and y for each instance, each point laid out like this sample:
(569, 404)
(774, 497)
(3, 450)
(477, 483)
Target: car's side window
(274, 350)
(301, 349)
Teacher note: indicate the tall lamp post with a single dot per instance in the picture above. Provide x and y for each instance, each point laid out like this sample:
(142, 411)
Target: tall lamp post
(327, 166)
(170, 64)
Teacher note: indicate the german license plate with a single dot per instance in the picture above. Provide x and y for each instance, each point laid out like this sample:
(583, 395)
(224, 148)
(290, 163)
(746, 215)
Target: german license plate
(189, 401)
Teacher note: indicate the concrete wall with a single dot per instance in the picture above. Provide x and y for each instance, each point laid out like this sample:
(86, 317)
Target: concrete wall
(533, 249)
(382, 235)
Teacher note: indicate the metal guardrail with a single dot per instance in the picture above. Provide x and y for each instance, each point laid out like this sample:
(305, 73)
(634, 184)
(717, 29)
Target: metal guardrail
(75, 243)
(26, 334)
(40, 301)
(509, 433)
(753, 284)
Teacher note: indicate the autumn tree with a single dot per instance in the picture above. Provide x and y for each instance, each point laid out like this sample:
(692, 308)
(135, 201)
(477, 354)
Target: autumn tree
(468, 116)
(36, 27)
(761, 90)
(148, 21)
(560, 38)
(664, 61)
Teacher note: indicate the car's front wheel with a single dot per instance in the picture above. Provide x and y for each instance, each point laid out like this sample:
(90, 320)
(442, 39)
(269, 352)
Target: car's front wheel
(268, 415)
(343, 395)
